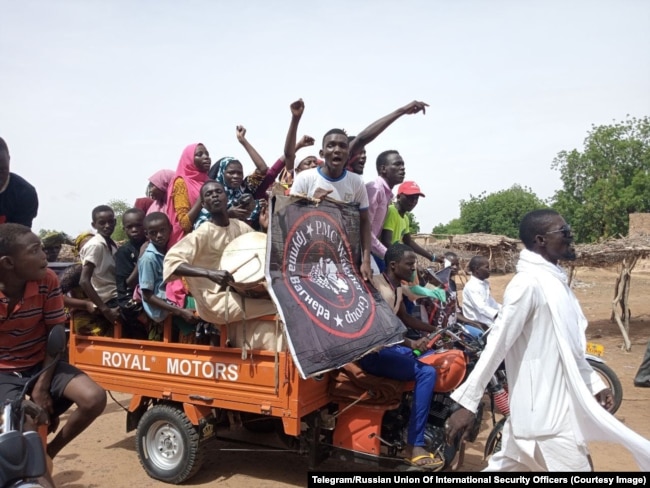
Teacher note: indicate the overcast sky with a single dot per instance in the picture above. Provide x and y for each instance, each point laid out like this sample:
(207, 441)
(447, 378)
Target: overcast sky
(95, 96)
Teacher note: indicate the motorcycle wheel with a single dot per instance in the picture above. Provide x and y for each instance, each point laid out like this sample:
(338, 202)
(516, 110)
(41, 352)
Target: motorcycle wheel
(611, 380)
(168, 444)
(493, 442)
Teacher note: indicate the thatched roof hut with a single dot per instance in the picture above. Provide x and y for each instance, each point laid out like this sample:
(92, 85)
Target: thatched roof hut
(501, 251)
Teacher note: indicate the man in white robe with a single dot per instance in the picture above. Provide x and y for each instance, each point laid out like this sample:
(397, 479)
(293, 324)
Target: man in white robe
(197, 257)
(478, 302)
(557, 402)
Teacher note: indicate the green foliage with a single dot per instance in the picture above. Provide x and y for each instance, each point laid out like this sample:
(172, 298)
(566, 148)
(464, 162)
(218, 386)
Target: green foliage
(453, 227)
(607, 181)
(43, 232)
(498, 213)
(119, 207)
(414, 227)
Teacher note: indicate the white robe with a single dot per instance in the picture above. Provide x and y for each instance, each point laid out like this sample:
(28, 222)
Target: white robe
(540, 332)
(478, 303)
(204, 248)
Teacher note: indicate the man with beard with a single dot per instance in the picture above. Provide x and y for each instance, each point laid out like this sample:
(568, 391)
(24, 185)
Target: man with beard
(557, 402)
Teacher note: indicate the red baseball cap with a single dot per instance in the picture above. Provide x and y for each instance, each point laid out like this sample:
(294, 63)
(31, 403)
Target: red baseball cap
(409, 188)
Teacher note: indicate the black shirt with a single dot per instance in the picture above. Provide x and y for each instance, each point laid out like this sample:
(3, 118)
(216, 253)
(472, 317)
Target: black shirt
(126, 259)
(19, 202)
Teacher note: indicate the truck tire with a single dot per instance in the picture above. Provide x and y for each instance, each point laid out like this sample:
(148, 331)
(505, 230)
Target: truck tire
(168, 444)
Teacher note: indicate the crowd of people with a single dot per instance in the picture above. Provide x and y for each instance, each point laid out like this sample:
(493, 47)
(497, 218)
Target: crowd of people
(170, 268)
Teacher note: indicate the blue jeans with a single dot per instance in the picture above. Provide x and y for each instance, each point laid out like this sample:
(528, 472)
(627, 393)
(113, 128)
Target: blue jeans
(398, 363)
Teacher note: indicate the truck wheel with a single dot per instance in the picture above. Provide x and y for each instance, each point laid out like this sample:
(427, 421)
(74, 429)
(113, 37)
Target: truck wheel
(168, 444)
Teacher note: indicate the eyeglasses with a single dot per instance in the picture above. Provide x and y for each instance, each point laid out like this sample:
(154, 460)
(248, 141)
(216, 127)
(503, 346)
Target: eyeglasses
(566, 231)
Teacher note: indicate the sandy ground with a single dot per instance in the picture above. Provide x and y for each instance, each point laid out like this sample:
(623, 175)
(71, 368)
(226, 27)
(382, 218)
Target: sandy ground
(105, 456)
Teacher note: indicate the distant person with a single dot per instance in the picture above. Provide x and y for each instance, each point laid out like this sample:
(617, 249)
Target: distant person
(558, 403)
(30, 306)
(98, 261)
(453, 309)
(478, 302)
(642, 378)
(53, 243)
(18, 198)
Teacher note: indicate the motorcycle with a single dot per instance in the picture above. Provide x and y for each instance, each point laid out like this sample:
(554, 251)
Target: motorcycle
(367, 429)
(22, 454)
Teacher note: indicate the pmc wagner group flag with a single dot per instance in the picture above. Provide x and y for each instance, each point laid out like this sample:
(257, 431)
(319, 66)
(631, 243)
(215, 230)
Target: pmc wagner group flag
(331, 315)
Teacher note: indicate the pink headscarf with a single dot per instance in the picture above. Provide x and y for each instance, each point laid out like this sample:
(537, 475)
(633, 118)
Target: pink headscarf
(161, 180)
(193, 179)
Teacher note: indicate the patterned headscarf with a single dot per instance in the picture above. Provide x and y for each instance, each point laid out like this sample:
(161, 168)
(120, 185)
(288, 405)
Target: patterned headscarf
(217, 173)
(79, 240)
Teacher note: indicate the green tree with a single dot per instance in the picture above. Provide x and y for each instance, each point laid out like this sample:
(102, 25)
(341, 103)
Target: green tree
(606, 181)
(453, 227)
(119, 207)
(43, 232)
(414, 227)
(500, 212)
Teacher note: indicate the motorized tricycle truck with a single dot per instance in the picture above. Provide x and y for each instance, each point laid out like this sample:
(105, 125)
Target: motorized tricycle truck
(182, 394)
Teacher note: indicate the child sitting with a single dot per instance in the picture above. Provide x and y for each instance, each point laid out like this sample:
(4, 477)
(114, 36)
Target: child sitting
(126, 275)
(87, 319)
(150, 273)
(98, 271)
(31, 305)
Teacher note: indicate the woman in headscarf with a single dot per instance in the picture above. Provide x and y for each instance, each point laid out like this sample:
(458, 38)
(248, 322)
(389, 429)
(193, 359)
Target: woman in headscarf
(229, 172)
(184, 205)
(157, 189)
(183, 202)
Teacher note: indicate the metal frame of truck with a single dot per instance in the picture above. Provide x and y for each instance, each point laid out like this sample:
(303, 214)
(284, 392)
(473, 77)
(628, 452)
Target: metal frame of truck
(180, 390)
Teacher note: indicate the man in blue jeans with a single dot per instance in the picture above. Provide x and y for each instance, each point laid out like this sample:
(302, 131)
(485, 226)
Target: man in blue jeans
(399, 363)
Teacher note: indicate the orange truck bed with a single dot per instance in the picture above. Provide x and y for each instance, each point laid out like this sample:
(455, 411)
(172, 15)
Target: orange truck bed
(201, 377)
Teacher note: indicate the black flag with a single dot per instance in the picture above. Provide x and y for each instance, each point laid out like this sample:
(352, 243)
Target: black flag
(331, 315)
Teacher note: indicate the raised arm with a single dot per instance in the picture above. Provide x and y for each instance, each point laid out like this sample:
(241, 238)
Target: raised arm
(297, 109)
(367, 135)
(260, 164)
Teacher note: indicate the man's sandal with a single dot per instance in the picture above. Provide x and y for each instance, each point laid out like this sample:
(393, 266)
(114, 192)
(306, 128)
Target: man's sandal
(436, 465)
